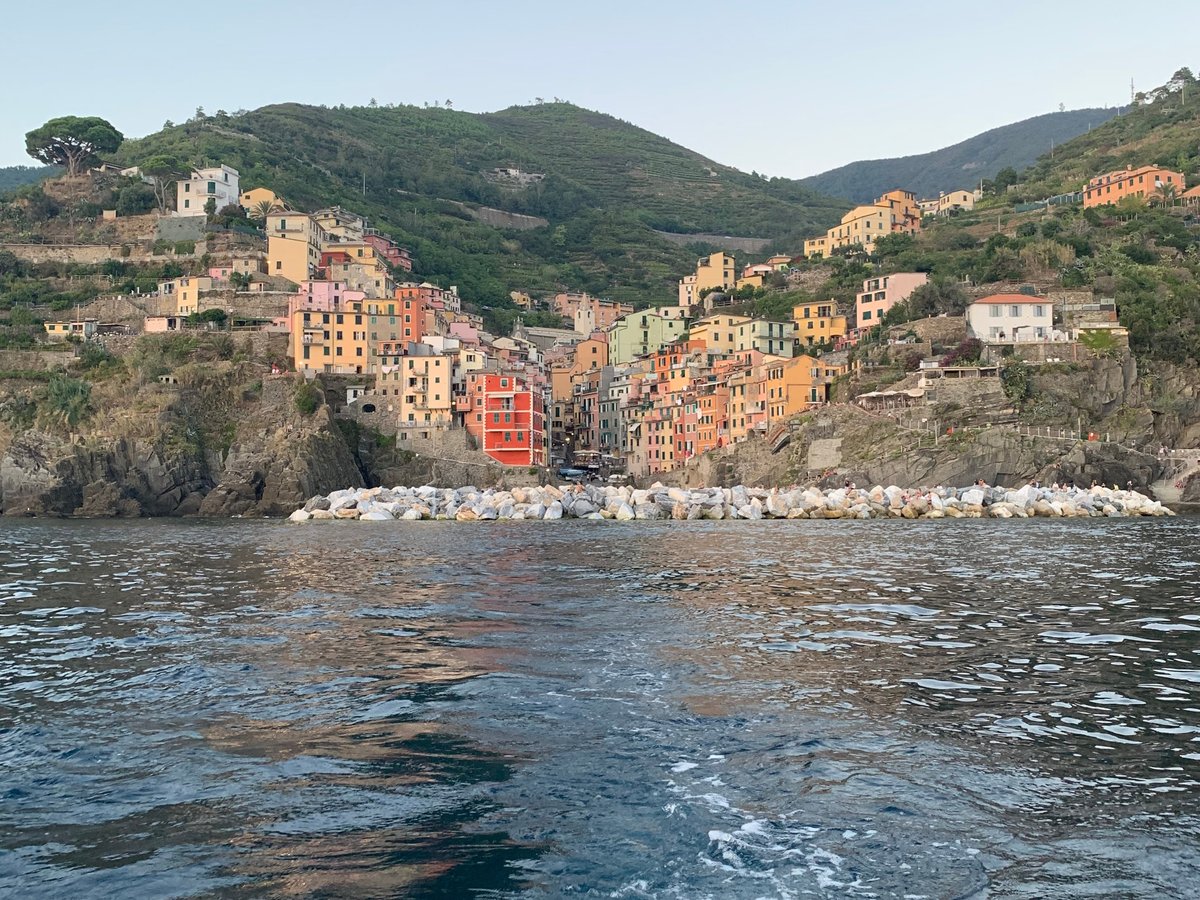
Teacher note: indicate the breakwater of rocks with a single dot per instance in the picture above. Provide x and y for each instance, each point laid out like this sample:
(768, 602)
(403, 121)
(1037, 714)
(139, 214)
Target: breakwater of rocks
(469, 504)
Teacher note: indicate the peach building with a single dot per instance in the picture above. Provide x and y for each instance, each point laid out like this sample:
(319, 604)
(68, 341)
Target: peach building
(1142, 183)
(881, 293)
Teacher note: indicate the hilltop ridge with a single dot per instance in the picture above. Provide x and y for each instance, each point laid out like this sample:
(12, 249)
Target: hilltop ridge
(960, 165)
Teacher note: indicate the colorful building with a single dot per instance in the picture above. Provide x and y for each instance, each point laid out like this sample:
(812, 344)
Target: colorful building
(719, 333)
(294, 242)
(329, 330)
(1143, 183)
(880, 294)
(818, 323)
(896, 212)
(767, 337)
(640, 333)
(252, 200)
(506, 418)
(416, 383)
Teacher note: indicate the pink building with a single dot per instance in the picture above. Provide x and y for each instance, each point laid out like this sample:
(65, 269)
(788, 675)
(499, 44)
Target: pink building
(322, 296)
(387, 248)
(881, 293)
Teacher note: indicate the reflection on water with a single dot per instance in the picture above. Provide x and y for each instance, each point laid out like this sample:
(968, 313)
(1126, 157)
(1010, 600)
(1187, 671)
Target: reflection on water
(642, 710)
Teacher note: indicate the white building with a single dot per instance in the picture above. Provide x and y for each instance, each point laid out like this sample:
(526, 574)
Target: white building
(219, 184)
(1008, 318)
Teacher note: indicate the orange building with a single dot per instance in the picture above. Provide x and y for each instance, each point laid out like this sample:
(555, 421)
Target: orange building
(1142, 183)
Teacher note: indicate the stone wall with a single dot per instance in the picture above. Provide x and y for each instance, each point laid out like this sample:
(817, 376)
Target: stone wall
(42, 360)
(91, 254)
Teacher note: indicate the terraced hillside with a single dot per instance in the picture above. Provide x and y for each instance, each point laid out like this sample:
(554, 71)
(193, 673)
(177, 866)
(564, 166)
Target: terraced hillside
(606, 186)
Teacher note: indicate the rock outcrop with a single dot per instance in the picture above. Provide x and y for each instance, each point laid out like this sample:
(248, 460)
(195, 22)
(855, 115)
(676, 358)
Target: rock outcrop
(276, 459)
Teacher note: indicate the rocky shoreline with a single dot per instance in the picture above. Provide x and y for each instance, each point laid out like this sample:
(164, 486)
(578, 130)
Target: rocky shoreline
(606, 502)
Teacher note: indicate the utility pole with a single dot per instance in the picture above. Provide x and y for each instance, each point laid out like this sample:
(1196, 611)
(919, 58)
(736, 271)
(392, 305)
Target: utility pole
(364, 188)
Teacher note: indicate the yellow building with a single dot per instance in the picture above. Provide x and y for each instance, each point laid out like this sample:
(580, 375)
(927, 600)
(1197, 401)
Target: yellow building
(183, 294)
(687, 291)
(793, 385)
(717, 270)
(780, 263)
(252, 200)
(418, 389)
(718, 332)
(818, 323)
(294, 242)
(333, 340)
(895, 212)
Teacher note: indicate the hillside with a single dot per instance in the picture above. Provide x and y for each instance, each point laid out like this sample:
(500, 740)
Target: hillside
(12, 177)
(961, 165)
(607, 185)
(1162, 128)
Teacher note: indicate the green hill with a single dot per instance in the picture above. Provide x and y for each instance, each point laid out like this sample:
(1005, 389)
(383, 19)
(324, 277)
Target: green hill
(607, 185)
(1161, 129)
(961, 165)
(12, 177)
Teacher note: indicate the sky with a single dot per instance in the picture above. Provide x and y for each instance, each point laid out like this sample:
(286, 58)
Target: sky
(781, 88)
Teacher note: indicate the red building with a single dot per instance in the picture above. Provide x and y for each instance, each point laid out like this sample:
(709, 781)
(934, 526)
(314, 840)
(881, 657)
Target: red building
(506, 418)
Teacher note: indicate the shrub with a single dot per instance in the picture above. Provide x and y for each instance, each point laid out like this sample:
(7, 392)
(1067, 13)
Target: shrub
(965, 354)
(68, 399)
(308, 398)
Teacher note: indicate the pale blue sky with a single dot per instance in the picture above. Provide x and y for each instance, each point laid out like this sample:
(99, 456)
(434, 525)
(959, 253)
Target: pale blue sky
(784, 88)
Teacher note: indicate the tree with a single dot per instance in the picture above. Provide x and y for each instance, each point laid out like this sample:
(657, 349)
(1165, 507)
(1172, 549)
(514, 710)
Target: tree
(1164, 194)
(210, 207)
(72, 141)
(165, 170)
(1004, 179)
(262, 209)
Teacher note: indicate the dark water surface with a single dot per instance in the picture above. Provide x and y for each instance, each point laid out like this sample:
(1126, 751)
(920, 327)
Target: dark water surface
(725, 709)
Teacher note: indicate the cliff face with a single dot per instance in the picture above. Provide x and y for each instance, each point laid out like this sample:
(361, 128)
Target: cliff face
(844, 443)
(276, 459)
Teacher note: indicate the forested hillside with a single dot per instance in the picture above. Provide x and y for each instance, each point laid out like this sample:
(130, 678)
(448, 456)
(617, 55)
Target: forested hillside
(12, 177)
(962, 165)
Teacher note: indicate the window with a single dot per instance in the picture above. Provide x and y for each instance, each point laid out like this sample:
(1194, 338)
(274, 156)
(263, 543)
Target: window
(1014, 311)
(996, 310)
(507, 436)
(187, 187)
(1039, 311)
(866, 314)
(212, 187)
(187, 204)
